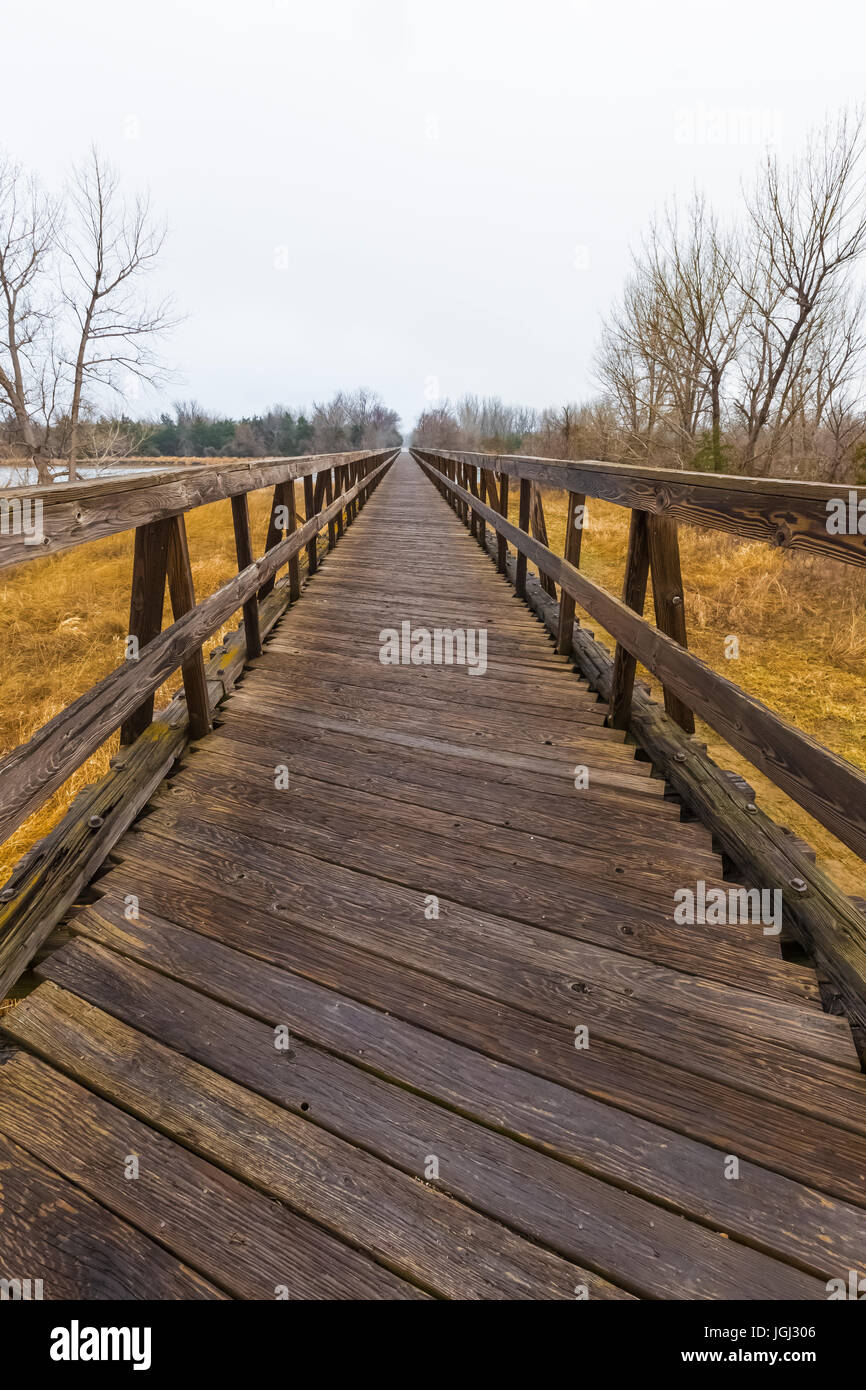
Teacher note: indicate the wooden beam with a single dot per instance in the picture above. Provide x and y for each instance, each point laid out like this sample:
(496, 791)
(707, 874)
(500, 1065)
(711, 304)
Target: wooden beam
(291, 527)
(523, 525)
(668, 598)
(279, 509)
(149, 568)
(634, 594)
(501, 543)
(574, 518)
(329, 496)
(182, 591)
(309, 509)
(244, 547)
(539, 530)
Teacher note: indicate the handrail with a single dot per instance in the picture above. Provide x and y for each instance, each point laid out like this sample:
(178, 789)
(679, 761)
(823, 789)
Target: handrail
(827, 786)
(71, 514)
(786, 513)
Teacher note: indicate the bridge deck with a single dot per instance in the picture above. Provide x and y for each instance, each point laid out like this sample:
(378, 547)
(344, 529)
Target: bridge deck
(328, 1090)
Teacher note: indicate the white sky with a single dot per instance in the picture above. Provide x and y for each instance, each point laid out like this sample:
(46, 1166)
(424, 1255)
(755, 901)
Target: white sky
(451, 186)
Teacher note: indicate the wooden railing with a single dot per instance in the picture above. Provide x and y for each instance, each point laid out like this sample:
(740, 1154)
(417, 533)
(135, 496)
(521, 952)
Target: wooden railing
(335, 486)
(787, 514)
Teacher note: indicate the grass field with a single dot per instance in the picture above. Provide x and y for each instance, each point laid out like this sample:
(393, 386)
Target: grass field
(801, 624)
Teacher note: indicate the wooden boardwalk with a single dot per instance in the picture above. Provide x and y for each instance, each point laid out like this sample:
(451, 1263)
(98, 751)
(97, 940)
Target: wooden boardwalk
(420, 1022)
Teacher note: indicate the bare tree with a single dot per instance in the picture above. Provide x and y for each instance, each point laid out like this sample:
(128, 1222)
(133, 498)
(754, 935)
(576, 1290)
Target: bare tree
(806, 228)
(437, 428)
(29, 368)
(109, 247)
(629, 366)
(699, 309)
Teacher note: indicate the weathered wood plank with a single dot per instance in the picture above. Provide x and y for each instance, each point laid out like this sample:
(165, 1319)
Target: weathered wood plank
(420, 1233)
(657, 1163)
(773, 1111)
(548, 1201)
(248, 1244)
(52, 1232)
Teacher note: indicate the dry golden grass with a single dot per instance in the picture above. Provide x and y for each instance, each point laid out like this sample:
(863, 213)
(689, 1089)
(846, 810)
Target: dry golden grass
(801, 625)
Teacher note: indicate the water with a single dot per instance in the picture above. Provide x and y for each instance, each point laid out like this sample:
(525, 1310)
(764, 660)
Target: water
(23, 475)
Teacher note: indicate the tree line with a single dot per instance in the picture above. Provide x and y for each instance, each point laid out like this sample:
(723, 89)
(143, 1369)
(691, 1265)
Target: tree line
(349, 420)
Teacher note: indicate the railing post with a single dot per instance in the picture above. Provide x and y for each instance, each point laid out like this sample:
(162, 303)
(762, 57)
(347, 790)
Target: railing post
(667, 581)
(501, 543)
(329, 497)
(477, 524)
(149, 567)
(352, 478)
(244, 547)
(524, 506)
(292, 525)
(539, 530)
(338, 489)
(310, 511)
(182, 591)
(571, 553)
(284, 497)
(634, 594)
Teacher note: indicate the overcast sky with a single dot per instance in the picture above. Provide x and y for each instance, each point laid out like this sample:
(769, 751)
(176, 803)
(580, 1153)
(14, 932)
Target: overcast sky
(411, 195)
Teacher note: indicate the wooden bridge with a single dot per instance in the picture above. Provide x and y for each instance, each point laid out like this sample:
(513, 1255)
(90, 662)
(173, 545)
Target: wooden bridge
(359, 975)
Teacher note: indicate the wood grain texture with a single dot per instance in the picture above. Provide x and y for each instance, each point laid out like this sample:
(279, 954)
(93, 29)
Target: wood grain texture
(78, 1249)
(75, 513)
(782, 512)
(418, 1232)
